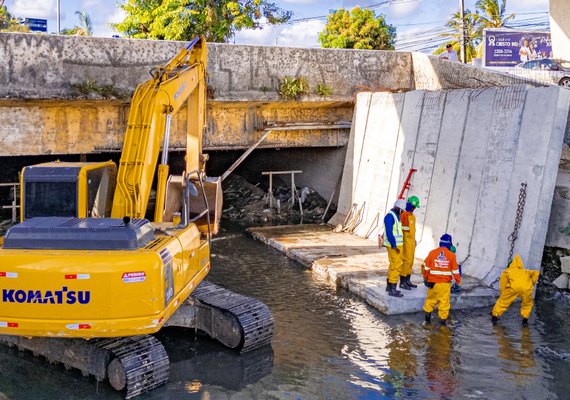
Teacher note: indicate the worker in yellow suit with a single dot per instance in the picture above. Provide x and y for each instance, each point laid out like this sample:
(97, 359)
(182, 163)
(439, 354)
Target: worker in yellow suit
(439, 269)
(516, 281)
(409, 229)
(394, 242)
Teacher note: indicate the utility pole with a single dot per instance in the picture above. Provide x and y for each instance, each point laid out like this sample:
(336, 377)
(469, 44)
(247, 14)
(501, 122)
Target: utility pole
(462, 44)
(58, 19)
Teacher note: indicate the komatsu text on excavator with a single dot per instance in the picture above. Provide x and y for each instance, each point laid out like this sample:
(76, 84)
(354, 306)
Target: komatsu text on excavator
(84, 263)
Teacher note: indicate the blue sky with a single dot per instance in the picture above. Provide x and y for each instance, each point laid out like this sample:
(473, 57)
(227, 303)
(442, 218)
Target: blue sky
(418, 22)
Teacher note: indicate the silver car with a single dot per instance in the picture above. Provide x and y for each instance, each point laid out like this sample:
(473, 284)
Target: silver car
(545, 70)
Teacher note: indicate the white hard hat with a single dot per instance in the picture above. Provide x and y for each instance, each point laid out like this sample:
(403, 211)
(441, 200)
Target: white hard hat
(401, 204)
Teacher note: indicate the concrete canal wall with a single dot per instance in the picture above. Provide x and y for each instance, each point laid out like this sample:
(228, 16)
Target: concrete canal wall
(472, 150)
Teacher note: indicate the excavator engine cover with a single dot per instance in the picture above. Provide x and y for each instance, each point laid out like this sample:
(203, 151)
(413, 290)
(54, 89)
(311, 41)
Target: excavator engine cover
(64, 233)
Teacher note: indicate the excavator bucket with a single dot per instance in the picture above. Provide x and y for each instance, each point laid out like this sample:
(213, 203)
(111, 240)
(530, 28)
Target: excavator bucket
(214, 196)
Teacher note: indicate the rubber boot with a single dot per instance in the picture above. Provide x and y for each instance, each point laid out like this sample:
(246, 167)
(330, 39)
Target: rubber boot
(428, 317)
(404, 283)
(387, 285)
(494, 320)
(525, 322)
(392, 291)
(409, 282)
(443, 322)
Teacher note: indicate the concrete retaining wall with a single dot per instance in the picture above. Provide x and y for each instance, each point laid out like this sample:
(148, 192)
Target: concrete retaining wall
(472, 150)
(46, 66)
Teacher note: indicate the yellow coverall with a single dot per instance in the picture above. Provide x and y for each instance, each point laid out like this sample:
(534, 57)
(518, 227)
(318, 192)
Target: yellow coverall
(394, 254)
(409, 229)
(516, 281)
(440, 268)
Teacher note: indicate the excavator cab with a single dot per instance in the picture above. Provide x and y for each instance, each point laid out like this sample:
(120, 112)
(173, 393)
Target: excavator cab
(63, 189)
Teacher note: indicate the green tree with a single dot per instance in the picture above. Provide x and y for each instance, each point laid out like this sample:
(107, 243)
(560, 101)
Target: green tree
(473, 31)
(85, 27)
(9, 23)
(217, 20)
(357, 29)
(493, 13)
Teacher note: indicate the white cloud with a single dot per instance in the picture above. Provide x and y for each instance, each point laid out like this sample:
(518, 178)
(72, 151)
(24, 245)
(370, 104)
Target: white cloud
(304, 34)
(103, 29)
(404, 9)
(46, 9)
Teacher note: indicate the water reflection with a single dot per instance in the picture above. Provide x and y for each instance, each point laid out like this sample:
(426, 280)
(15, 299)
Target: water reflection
(441, 362)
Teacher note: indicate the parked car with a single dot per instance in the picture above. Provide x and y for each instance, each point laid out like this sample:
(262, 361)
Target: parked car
(545, 70)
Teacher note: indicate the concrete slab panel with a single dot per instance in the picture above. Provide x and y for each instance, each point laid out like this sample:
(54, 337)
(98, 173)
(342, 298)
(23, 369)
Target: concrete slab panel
(409, 125)
(353, 155)
(492, 212)
(424, 157)
(378, 160)
(438, 205)
(472, 159)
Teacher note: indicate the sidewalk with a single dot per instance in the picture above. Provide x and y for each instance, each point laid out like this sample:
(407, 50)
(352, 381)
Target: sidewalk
(357, 265)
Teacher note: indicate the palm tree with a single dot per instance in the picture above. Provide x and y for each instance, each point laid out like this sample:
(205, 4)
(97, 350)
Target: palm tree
(85, 27)
(473, 32)
(493, 13)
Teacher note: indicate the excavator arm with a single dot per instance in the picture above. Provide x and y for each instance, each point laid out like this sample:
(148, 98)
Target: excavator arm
(148, 126)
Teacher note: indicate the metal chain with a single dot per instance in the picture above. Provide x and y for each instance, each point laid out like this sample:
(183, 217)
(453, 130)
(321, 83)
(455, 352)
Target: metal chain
(520, 209)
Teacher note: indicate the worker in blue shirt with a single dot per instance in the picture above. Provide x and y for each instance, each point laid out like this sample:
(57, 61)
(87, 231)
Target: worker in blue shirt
(394, 242)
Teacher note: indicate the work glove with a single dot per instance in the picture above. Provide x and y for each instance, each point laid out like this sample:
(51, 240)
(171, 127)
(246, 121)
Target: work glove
(455, 288)
(426, 283)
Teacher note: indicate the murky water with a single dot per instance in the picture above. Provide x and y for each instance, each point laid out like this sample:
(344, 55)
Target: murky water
(329, 345)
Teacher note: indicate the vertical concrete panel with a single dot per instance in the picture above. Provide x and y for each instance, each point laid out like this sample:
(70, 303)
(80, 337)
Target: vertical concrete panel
(353, 155)
(376, 165)
(492, 209)
(426, 149)
(407, 137)
(437, 206)
(469, 171)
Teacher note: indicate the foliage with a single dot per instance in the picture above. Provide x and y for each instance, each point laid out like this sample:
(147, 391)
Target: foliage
(9, 23)
(291, 88)
(488, 14)
(90, 86)
(183, 19)
(493, 13)
(323, 89)
(85, 27)
(357, 29)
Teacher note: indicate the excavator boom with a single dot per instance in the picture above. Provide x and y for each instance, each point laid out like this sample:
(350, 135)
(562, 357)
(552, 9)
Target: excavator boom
(148, 127)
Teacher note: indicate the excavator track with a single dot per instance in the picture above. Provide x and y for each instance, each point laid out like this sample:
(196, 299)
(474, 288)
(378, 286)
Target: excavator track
(137, 364)
(254, 318)
(140, 363)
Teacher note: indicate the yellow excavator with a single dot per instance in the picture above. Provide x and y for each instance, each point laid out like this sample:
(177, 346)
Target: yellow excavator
(85, 279)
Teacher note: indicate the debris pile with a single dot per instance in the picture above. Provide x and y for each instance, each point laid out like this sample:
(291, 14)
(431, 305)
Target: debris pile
(249, 204)
(554, 279)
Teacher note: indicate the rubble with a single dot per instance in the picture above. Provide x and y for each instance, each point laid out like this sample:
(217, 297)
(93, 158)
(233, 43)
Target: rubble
(248, 204)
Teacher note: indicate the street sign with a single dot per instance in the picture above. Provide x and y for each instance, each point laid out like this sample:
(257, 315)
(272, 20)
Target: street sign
(36, 25)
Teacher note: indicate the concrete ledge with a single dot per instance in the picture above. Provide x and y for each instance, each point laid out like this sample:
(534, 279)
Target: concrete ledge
(357, 265)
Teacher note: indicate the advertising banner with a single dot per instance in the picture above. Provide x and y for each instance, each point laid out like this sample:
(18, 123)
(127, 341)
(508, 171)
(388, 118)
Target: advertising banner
(507, 47)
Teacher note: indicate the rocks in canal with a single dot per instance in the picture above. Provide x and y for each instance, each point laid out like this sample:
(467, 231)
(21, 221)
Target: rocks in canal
(249, 204)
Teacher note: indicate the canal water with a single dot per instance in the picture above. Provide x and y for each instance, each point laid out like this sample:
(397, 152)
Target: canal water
(329, 345)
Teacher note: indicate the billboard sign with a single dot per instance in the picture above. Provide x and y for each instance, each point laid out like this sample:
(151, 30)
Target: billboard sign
(507, 47)
(36, 25)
